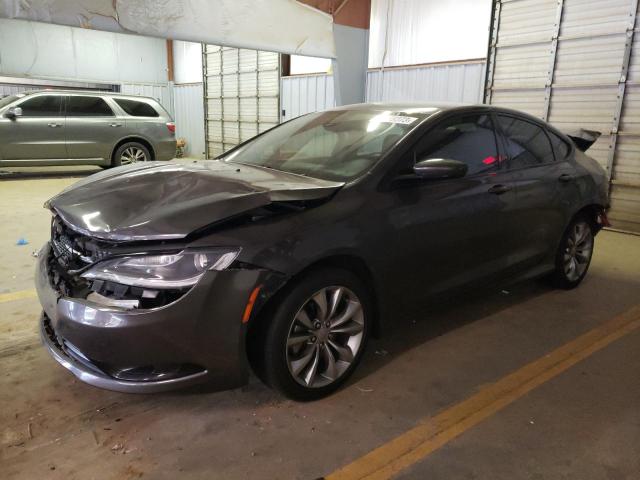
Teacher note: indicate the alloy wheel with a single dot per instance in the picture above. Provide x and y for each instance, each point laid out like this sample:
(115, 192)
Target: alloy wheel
(132, 155)
(325, 337)
(578, 251)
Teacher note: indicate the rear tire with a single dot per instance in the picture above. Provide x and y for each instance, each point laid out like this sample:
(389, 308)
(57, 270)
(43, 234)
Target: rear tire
(314, 335)
(130, 153)
(574, 254)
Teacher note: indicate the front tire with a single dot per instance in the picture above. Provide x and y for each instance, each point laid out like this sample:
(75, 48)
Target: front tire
(316, 335)
(574, 254)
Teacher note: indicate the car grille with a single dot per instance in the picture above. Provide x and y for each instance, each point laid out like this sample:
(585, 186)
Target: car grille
(69, 247)
(70, 253)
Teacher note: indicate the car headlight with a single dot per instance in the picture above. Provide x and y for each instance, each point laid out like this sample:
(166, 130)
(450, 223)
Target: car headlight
(179, 270)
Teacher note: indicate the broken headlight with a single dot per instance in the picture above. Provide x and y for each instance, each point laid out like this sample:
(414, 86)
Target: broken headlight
(179, 270)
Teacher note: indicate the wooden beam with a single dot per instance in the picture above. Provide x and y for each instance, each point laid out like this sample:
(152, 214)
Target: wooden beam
(351, 13)
(170, 66)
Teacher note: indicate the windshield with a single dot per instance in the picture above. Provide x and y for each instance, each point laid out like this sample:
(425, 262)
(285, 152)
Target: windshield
(4, 101)
(337, 145)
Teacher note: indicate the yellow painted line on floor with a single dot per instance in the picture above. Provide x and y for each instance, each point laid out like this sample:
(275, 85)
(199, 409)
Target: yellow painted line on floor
(19, 295)
(432, 433)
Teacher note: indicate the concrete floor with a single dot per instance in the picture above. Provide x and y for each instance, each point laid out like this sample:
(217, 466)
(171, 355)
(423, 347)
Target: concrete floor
(583, 424)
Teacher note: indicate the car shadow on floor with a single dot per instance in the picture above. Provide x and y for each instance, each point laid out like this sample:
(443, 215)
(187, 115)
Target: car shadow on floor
(412, 329)
(439, 317)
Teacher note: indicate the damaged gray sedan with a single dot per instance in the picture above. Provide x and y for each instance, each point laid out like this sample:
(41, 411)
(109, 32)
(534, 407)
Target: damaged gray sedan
(289, 251)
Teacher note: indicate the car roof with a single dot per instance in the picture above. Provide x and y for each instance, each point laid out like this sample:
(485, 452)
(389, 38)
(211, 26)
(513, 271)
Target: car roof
(429, 108)
(87, 92)
(406, 107)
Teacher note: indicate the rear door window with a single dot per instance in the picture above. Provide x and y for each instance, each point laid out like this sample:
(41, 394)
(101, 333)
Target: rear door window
(527, 144)
(42, 106)
(136, 109)
(469, 138)
(78, 106)
(560, 147)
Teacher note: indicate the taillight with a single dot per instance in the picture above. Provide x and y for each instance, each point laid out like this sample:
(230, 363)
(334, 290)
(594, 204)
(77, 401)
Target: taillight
(171, 126)
(602, 218)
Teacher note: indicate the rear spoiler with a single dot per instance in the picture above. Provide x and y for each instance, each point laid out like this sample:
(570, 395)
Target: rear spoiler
(583, 138)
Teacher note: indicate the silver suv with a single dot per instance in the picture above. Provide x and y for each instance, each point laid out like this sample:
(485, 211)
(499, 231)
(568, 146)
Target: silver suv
(73, 128)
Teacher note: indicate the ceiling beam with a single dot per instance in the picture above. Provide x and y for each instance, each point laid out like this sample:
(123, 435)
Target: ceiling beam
(350, 13)
(276, 25)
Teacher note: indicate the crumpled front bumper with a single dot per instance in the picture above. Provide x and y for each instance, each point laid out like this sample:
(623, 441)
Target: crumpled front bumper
(202, 332)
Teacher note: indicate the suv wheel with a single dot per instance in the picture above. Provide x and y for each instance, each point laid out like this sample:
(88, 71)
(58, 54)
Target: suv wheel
(131, 152)
(316, 335)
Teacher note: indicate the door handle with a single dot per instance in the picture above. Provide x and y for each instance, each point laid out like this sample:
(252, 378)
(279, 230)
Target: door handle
(55, 125)
(499, 189)
(115, 125)
(565, 177)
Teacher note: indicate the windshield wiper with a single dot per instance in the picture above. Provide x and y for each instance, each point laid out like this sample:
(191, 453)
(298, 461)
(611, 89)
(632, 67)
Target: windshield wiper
(272, 168)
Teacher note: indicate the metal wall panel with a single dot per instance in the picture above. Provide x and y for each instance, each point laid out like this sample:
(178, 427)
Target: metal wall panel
(13, 85)
(624, 213)
(526, 21)
(521, 66)
(594, 17)
(633, 75)
(242, 95)
(576, 63)
(189, 117)
(306, 94)
(589, 61)
(162, 93)
(584, 107)
(525, 100)
(456, 82)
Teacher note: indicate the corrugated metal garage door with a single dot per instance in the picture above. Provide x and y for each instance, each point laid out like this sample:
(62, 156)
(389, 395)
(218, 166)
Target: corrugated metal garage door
(576, 63)
(241, 95)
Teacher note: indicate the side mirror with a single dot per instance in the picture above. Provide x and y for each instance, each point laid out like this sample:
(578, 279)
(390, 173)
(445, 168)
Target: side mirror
(14, 113)
(440, 168)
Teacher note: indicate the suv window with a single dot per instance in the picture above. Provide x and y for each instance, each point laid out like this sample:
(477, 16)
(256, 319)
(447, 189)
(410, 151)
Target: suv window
(136, 109)
(560, 147)
(527, 143)
(42, 106)
(469, 138)
(88, 107)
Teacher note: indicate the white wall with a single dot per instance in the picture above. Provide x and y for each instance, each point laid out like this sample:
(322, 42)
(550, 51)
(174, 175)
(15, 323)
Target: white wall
(412, 32)
(188, 101)
(187, 62)
(301, 65)
(39, 50)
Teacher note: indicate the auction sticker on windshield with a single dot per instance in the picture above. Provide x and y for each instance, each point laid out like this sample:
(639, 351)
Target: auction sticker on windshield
(399, 119)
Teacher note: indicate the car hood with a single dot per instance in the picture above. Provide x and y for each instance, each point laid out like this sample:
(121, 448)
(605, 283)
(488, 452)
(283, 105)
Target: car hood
(163, 201)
